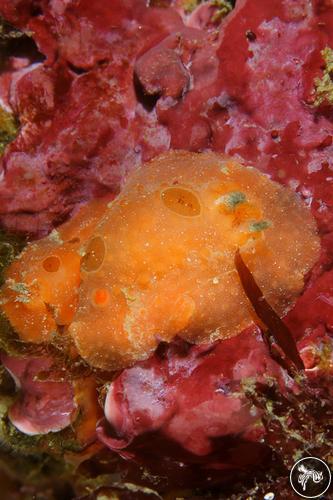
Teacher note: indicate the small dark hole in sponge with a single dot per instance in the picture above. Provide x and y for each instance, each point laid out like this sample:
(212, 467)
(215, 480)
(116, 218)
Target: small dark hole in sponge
(148, 101)
(36, 10)
(77, 70)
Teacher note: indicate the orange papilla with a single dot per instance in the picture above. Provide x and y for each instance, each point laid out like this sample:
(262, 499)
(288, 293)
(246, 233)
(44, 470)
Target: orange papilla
(101, 296)
(90, 412)
(86, 398)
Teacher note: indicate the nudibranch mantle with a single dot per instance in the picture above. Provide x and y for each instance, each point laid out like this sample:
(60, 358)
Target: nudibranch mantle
(158, 262)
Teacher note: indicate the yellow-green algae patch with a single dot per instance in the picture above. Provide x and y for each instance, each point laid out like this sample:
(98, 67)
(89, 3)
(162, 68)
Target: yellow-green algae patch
(324, 86)
(8, 128)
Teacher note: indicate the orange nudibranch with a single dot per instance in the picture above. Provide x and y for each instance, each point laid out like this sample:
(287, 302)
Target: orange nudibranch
(158, 262)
